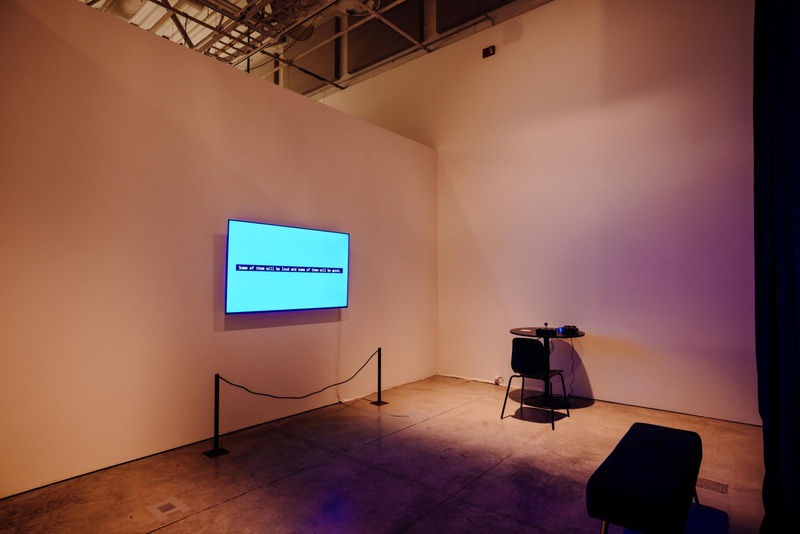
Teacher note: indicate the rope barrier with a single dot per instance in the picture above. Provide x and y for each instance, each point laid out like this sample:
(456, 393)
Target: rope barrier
(219, 451)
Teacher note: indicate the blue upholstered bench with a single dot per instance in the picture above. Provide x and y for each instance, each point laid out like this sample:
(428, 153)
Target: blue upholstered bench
(648, 481)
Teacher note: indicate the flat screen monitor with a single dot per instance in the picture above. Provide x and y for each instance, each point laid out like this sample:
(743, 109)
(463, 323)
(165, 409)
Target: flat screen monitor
(272, 268)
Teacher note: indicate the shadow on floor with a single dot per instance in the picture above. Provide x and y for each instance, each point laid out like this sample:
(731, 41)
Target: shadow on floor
(436, 458)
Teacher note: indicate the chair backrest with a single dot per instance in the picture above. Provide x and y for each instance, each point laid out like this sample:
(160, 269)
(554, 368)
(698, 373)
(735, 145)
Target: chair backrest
(529, 356)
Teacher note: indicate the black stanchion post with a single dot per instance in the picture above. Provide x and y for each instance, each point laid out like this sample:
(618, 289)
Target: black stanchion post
(217, 450)
(379, 402)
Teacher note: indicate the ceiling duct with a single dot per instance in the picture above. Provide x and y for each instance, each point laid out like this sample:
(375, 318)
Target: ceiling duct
(126, 9)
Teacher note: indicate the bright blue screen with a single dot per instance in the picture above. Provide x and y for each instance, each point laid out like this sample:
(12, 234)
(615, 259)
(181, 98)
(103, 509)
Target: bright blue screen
(271, 268)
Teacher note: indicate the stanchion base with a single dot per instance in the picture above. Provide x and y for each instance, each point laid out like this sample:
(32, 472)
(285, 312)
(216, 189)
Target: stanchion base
(379, 403)
(213, 453)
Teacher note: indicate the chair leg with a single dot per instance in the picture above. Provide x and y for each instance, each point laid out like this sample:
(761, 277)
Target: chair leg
(522, 399)
(604, 527)
(548, 388)
(510, 379)
(564, 389)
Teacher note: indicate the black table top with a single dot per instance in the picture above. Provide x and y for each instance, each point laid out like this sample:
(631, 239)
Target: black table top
(552, 333)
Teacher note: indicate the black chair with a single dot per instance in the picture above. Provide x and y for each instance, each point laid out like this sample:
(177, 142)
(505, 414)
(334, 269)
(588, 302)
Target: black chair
(530, 359)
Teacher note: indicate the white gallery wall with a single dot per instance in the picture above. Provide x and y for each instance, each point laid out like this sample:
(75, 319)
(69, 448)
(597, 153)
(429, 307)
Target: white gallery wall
(123, 156)
(596, 171)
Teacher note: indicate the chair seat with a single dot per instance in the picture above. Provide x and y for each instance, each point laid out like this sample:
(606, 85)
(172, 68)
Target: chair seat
(545, 376)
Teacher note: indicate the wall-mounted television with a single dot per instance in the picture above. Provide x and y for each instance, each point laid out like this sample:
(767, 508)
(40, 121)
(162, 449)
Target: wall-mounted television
(271, 268)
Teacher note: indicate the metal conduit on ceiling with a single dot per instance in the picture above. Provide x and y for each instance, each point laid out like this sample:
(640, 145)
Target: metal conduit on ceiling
(311, 46)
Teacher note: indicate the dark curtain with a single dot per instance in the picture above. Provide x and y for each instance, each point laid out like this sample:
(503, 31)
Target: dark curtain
(776, 128)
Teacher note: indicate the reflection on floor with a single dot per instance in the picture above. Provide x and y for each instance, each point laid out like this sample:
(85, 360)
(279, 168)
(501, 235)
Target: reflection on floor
(436, 458)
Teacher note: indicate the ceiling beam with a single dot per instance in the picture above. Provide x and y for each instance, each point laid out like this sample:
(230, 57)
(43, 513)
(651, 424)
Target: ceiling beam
(322, 7)
(178, 24)
(230, 36)
(393, 26)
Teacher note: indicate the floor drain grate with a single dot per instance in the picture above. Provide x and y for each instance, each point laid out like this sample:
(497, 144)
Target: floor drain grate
(712, 485)
(163, 510)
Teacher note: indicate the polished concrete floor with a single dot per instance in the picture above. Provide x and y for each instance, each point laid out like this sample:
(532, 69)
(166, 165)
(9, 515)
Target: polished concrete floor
(436, 458)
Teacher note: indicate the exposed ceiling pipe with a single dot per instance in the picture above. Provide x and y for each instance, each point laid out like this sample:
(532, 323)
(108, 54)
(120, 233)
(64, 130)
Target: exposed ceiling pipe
(233, 31)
